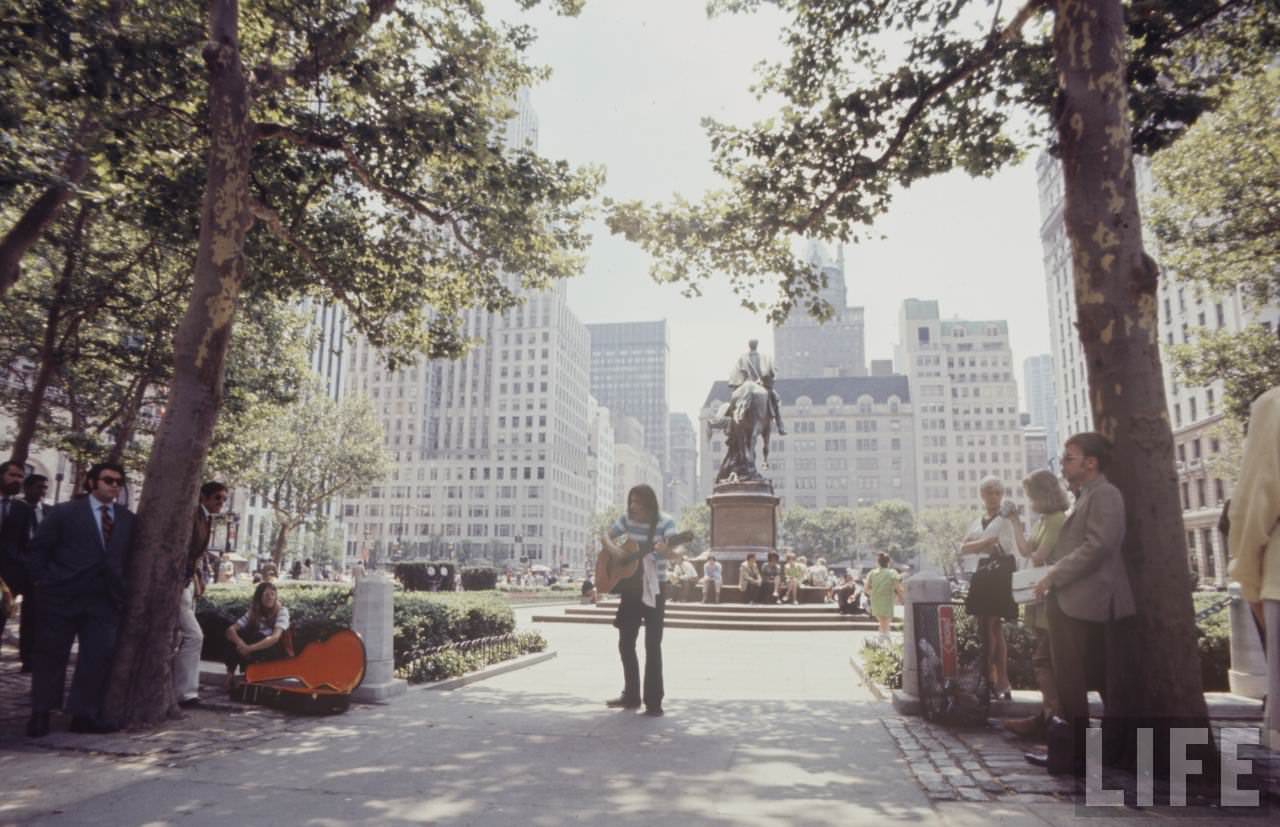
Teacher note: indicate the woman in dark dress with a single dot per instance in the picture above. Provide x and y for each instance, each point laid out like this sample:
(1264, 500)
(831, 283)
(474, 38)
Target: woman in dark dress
(990, 597)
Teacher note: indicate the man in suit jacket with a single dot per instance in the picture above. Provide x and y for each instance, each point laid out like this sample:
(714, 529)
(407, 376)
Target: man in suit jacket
(34, 489)
(78, 561)
(186, 663)
(1088, 587)
(15, 534)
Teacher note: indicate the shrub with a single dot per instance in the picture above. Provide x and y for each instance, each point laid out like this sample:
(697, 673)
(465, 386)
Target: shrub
(479, 579)
(883, 664)
(421, 619)
(1215, 643)
(449, 663)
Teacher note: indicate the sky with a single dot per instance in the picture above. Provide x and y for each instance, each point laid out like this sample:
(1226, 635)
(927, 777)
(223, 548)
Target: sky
(631, 82)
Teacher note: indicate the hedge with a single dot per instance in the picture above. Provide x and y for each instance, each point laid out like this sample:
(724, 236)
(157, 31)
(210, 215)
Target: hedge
(450, 663)
(421, 619)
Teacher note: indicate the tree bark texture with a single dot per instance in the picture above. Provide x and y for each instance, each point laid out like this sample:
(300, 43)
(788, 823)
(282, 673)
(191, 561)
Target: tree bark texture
(23, 235)
(1154, 668)
(50, 359)
(280, 543)
(141, 689)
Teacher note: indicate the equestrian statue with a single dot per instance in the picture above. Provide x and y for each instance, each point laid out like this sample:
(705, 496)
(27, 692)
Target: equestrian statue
(748, 416)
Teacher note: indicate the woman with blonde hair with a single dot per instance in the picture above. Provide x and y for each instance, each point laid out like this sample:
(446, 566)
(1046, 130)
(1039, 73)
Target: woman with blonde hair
(1049, 499)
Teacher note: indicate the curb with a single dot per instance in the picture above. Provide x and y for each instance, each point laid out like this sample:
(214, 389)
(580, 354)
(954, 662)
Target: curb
(522, 662)
(867, 682)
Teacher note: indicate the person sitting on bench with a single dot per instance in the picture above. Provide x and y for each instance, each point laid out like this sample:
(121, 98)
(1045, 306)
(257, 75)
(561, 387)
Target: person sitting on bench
(259, 635)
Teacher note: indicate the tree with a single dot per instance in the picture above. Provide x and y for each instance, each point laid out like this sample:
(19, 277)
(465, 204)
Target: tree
(697, 520)
(825, 532)
(309, 453)
(941, 532)
(856, 124)
(1217, 216)
(889, 526)
(393, 194)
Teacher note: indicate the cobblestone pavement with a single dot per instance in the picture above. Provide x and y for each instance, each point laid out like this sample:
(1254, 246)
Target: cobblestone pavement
(218, 726)
(988, 764)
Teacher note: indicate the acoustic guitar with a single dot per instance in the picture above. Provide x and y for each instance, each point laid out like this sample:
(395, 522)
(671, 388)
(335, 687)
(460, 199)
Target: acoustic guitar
(610, 568)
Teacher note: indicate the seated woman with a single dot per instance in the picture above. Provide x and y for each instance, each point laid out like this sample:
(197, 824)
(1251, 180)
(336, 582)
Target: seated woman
(256, 636)
(770, 575)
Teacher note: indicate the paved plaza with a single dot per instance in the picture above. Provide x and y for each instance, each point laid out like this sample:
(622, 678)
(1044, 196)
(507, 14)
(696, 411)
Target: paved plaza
(761, 729)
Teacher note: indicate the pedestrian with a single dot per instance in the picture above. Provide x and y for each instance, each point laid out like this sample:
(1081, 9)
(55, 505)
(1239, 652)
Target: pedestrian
(78, 561)
(1049, 500)
(770, 578)
(712, 577)
(848, 593)
(1086, 589)
(16, 521)
(749, 579)
(186, 662)
(990, 599)
(259, 633)
(884, 584)
(1254, 540)
(645, 529)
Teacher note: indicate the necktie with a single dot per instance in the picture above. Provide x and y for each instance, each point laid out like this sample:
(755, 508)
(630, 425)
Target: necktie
(107, 525)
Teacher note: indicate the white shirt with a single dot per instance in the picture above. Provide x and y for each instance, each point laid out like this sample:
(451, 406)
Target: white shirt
(999, 527)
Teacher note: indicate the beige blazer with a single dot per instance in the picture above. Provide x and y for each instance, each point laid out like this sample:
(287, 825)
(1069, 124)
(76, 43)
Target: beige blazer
(1089, 580)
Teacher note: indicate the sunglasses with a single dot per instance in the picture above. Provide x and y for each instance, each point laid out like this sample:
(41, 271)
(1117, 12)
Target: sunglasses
(111, 480)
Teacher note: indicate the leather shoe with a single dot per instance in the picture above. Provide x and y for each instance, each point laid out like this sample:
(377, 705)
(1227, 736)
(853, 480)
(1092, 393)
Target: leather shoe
(1037, 759)
(622, 702)
(91, 726)
(189, 703)
(38, 725)
(653, 711)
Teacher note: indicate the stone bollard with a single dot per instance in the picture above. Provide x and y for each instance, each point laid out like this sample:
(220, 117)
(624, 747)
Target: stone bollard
(1247, 676)
(372, 620)
(925, 587)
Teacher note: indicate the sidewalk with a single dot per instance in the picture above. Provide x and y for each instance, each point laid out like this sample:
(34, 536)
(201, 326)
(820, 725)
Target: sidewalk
(761, 729)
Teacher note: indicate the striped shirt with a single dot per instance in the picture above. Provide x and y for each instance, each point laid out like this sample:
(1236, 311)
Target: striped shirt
(640, 533)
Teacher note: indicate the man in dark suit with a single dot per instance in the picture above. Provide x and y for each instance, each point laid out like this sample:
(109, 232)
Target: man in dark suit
(78, 561)
(15, 535)
(34, 489)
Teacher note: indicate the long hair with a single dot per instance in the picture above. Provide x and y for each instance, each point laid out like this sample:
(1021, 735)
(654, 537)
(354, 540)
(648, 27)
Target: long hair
(648, 500)
(257, 612)
(1045, 492)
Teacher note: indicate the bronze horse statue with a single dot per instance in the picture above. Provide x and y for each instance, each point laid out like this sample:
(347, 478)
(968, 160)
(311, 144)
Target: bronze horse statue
(744, 419)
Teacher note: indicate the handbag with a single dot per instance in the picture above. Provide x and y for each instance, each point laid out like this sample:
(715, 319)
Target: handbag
(1024, 583)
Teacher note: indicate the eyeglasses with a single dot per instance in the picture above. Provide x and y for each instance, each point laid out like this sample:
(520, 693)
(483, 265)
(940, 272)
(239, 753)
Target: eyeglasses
(111, 480)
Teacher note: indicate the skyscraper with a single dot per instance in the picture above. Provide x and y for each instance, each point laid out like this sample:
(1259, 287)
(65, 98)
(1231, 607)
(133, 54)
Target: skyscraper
(630, 364)
(1037, 383)
(804, 348)
(682, 479)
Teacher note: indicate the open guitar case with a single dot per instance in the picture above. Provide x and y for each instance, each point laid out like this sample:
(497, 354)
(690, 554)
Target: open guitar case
(317, 682)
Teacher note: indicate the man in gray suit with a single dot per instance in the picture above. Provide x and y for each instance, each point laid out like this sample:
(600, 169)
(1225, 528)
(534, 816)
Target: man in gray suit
(78, 561)
(1088, 587)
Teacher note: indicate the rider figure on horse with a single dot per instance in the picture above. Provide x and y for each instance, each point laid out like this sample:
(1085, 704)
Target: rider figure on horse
(753, 405)
(754, 366)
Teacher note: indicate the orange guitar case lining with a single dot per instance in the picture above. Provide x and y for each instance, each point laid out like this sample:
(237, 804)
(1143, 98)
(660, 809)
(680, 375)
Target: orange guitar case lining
(317, 682)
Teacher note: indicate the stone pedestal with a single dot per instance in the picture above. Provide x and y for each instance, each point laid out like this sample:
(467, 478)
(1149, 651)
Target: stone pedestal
(925, 587)
(744, 520)
(372, 620)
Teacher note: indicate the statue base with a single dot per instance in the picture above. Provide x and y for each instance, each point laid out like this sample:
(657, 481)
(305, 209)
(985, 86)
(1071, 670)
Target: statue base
(744, 520)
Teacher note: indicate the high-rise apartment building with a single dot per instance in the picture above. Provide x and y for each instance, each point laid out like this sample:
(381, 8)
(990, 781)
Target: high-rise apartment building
(965, 401)
(600, 456)
(805, 348)
(630, 368)
(850, 442)
(1184, 309)
(682, 479)
(1038, 385)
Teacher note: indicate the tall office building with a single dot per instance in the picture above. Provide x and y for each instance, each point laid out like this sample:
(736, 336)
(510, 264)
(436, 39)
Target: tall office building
(850, 442)
(630, 367)
(600, 457)
(965, 401)
(1184, 309)
(682, 479)
(632, 463)
(805, 348)
(1038, 385)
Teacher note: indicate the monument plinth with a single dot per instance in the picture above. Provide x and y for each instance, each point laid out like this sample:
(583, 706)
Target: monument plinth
(744, 520)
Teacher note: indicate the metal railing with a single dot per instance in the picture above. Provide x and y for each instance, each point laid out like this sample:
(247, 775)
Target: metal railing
(492, 649)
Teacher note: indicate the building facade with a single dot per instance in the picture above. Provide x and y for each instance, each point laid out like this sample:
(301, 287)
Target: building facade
(1042, 405)
(682, 479)
(805, 348)
(630, 375)
(965, 402)
(850, 442)
(600, 457)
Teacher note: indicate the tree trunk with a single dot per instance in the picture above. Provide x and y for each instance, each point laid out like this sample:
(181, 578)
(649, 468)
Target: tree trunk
(23, 235)
(279, 543)
(1155, 669)
(128, 420)
(141, 689)
(49, 359)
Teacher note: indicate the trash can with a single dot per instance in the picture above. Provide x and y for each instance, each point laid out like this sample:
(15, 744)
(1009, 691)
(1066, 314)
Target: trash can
(950, 690)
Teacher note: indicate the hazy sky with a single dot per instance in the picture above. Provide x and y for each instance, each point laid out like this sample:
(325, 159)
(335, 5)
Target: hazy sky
(631, 82)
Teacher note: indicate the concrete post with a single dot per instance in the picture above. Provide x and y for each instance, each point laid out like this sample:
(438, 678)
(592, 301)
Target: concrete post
(925, 587)
(1248, 673)
(372, 620)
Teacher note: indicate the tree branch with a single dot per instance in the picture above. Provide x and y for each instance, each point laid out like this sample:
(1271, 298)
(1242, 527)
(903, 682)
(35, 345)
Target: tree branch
(330, 48)
(334, 143)
(989, 52)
